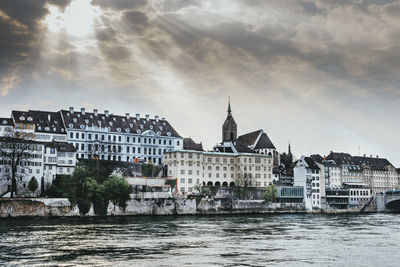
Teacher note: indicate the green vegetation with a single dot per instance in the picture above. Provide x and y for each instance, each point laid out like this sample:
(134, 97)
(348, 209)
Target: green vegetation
(150, 170)
(33, 184)
(92, 184)
(270, 193)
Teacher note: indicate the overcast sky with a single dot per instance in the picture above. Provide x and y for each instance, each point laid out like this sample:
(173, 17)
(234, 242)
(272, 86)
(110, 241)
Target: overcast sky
(324, 74)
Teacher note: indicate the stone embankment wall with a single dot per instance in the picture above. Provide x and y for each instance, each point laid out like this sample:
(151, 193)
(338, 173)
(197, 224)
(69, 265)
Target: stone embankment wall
(48, 207)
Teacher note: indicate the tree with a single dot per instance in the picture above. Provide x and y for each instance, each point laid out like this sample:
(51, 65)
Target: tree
(117, 190)
(33, 184)
(270, 193)
(16, 154)
(150, 170)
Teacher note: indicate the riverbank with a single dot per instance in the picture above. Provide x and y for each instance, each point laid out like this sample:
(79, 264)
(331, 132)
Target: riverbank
(61, 207)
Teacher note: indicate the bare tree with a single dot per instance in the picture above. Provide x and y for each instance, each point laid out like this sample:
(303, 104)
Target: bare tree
(15, 155)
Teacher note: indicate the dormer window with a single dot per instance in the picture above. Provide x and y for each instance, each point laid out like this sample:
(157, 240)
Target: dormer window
(161, 128)
(130, 125)
(54, 129)
(82, 126)
(91, 116)
(47, 129)
(163, 123)
(123, 119)
(118, 129)
(141, 126)
(39, 128)
(86, 121)
(138, 131)
(103, 118)
(79, 115)
(22, 118)
(127, 130)
(29, 118)
(75, 120)
(114, 118)
(110, 123)
(62, 129)
(71, 125)
(168, 133)
(134, 121)
(151, 127)
(68, 114)
(158, 133)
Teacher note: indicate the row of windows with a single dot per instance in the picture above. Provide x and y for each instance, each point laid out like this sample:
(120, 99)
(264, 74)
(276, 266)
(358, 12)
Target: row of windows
(114, 138)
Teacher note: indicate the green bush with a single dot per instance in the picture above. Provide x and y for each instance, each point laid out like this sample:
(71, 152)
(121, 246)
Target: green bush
(33, 184)
(270, 193)
(117, 190)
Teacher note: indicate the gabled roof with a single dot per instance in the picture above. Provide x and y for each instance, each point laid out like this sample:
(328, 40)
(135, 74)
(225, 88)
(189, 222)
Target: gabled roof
(189, 144)
(257, 139)
(243, 148)
(311, 164)
(22, 116)
(341, 158)
(117, 124)
(48, 122)
(317, 158)
(6, 122)
(373, 162)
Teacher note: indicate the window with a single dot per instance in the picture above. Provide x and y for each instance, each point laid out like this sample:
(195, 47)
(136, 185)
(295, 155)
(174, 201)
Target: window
(77, 135)
(71, 135)
(182, 180)
(182, 172)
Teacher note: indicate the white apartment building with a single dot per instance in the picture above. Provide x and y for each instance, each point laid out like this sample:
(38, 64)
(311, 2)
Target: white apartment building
(332, 173)
(192, 168)
(45, 160)
(59, 159)
(308, 175)
(121, 138)
(6, 127)
(31, 165)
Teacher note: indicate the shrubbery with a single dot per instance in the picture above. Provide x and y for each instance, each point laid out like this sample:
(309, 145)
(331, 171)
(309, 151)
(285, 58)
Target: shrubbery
(84, 189)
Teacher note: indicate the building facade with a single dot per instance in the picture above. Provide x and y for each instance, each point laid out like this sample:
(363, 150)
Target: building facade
(308, 175)
(198, 168)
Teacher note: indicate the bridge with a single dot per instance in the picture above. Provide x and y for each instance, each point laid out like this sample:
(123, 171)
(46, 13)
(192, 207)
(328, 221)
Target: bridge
(388, 202)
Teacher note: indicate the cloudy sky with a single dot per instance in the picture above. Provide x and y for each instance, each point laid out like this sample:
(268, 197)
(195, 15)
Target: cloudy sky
(324, 74)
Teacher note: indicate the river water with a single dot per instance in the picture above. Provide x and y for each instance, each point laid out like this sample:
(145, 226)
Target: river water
(234, 240)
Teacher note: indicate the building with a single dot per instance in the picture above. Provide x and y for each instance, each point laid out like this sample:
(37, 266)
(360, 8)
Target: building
(100, 135)
(201, 168)
(26, 157)
(42, 160)
(289, 194)
(6, 127)
(332, 171)
(244, 161)
(59, 159)
(120, 138)
(351, 171)
(307, 174)
(359, 193)
(378, 173)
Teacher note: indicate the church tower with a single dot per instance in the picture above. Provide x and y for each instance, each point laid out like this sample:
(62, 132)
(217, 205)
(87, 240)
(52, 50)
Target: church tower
(229, 128)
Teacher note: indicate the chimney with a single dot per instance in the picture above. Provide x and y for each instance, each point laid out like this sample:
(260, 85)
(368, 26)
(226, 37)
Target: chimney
(377, 156)
(49, 117)
(71, 109)
(163, 118)
(365, 155)
(127, 115)
(147, 117)
(106, 113)
(156, 118)
(370, 156)
(95, 112)
(83, 111)
(137, 116)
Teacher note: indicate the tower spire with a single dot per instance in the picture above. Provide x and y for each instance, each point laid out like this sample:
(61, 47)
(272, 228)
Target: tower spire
(229, 106)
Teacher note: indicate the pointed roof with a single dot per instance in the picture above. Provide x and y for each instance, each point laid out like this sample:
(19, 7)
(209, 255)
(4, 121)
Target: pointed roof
(258, 139)
(229, 122)
(189, 144)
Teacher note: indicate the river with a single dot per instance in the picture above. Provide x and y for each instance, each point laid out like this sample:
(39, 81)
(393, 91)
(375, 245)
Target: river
(236, 240)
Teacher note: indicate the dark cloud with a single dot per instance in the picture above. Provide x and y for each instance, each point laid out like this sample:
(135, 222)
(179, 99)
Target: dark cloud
(20, 26)
(136, 20)
(120, 4)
